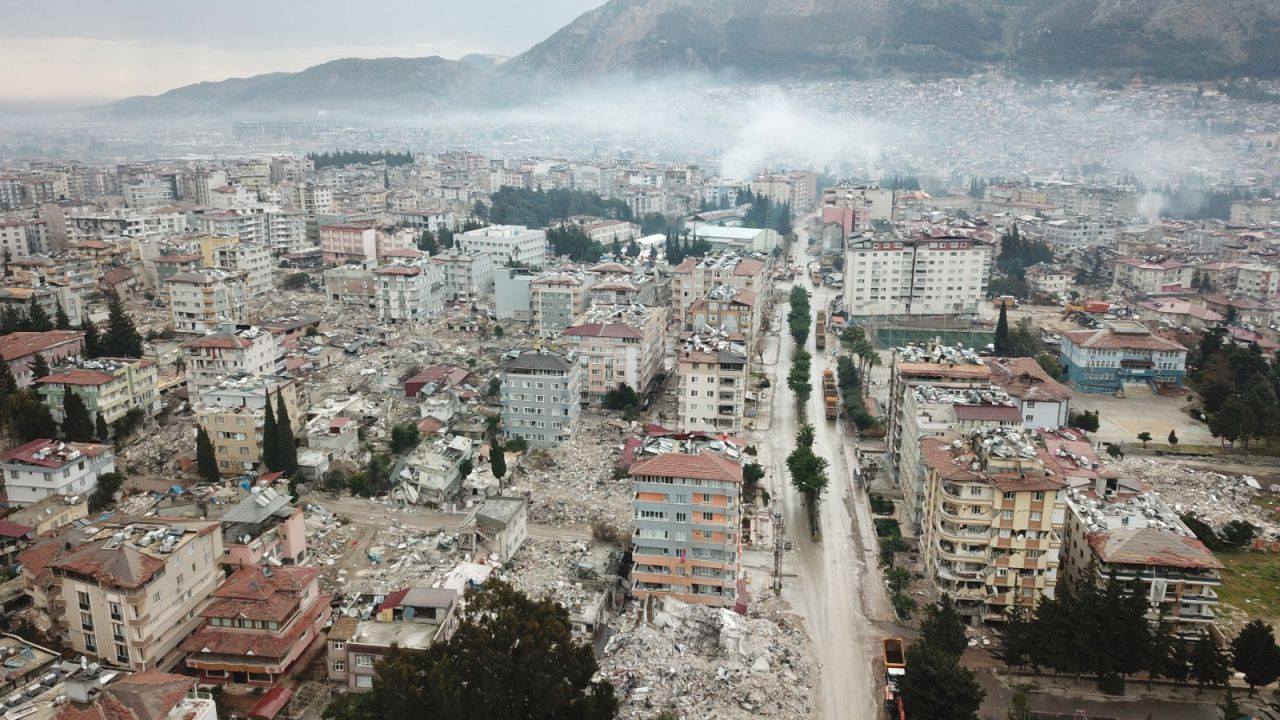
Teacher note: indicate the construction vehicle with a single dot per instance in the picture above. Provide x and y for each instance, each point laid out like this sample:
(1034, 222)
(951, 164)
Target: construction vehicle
(1089, 307)
(1006, 301)
(815, 275)
(820, 330)
(830, 395)
(895, 666)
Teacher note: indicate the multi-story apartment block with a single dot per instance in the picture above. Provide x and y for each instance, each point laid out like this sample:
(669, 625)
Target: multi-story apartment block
(923, 275)
(233, 413)
(1050, 280)
(149, 192)
(1117, 528)
(1255, 212)
(726, 308)
(285, 232)
(541, 391)
(435, 471)
(19, 350)
(202, 301)
(258, 624)
(351, 285)
(130, 590)
(617, 345)
(511, 289)
(994, 519)
(109, 387)
(173, 263)
(127, 223)
(877, 202)
(343, 244)
(686, 543)
(798, 189)
(263, 529)
(713, 387)
(1257, 280)
(43, 468)
(467, 275)
(1125, 353)
(1151, 277)
(1076, 232)
(13, 238)
(253, 261)
(693, 278)
(412, 618)
(555, 299)
(409, 292)
(510, 243)
(1041, 401)
(232, 350)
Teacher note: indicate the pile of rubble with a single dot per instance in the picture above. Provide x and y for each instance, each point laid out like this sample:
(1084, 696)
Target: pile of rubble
(1216, 498)
(573, 483)
(706, 662)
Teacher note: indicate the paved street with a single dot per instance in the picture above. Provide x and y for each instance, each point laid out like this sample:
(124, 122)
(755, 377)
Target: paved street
(836, 585)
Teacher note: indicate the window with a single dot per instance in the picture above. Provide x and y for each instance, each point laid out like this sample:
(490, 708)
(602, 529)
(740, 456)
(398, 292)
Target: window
(1039, 495)
(338, 645)
(122, 654)
(364, 681)
(707, 516)
(89, 643)
(83, 597)
(339, 665)
(1007, 514)
(117, 632)
(86, 621)
(1035, 516)
(1009, 495)
(115, 612)
(364, 661)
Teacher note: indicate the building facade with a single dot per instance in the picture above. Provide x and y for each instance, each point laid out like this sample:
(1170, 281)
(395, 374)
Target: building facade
(44, 468)
(923, 275)
(1122, 354)
(541, 390)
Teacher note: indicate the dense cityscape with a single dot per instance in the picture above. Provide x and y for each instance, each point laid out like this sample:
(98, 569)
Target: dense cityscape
(948, 398)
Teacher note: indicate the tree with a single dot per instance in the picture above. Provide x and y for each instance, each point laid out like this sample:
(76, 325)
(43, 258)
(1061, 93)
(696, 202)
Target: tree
(296, 281)
(29, 418)
(497, 460)
(942, 627)
(1208, 663)
(60, 319)
(1254, 653)
(1086, 421)
(1002, 332)
(1230, 708)
(286, 445)
(427, 243)
(633, 249)
(77, 424)
(1238, 533)
(39, 367)
(1173, 438)
(92, 338)
(1050, 365)
(206, 461)
(403, 437)
(270, 450)
(494, 388)
(498, 332)
(122, 338)
(104, 491)
(1144, 437)
(621, 397)
(100, 429)
(936, 687)
(8, 384)
(511, 658)
(38, 319)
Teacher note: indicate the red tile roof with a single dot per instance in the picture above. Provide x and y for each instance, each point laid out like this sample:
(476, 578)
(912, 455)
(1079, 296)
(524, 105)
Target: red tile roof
(218, 340)
(1149, 546)
(1024, 378)
(271, 704)
(705, 465)
(78, 376)
(21, 344)
(14, 530)
(54, 452)
(748, 266)
(258, 643)
(251, 594)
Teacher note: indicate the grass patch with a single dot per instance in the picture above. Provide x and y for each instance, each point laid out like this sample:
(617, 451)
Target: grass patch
(1251, 582)
(1267, 502)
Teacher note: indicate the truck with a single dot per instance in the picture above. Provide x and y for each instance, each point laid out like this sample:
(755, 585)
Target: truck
(895, 666)
(820, 330)
(830, 395)
(815, 275)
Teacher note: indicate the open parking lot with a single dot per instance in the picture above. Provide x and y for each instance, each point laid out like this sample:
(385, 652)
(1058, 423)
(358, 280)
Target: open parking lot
(1122, 419)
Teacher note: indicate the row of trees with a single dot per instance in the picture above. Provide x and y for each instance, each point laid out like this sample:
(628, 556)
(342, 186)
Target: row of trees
(572, 240)
(678, 248)
(539, 208)
(798, 318)
(33, 319)
(1239, 390)
(279, 448)
(1105, 632)
(808, 473)
(511, 658)
(432, 243)
(342, 158)
(798, 378)
(848, 379)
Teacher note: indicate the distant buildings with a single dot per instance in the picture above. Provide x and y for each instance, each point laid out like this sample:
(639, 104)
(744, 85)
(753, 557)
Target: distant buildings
(686, 543)
(540, 393)
(19, 350)
(1121, 356)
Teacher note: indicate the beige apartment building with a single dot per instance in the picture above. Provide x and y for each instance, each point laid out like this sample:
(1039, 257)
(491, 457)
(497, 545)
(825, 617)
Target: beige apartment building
(994, 519)
(692, 279)
(201, 301)
(713, 387)
(233, 413)
(127, 593)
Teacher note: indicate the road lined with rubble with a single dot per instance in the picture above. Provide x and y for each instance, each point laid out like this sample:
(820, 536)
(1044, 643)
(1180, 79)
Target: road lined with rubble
(835, 588)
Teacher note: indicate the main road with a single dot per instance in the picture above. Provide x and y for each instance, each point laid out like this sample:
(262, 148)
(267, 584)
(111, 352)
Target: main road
(834, 583)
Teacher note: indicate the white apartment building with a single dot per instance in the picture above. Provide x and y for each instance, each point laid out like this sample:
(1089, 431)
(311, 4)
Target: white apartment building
(509, 243)
(1077, 232)
(467, 275)
(1047, 279)
(127, 222)
(409, 292)
(877, 201)
(13, 238)
(40, 468)
(148, 192)
(924, 275)
(201, 301)
(1258, 281)
(253, 260)
(231, 350)
(1153, 277)
(713, 388)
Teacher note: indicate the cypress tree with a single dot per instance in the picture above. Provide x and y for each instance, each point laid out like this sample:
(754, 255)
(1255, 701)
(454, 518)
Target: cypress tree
(497, 462)
(286, 446)
(206, 462)
(122, 338)
(39, 367)
(37, 317)
(1002, 332)
(10, 320)
(101, 428)
(270, 438)
(60, 319)
(8, 385)
(77, 425)
(92, 338)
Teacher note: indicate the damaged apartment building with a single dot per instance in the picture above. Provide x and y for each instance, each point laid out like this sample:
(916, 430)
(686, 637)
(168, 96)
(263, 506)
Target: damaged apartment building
(618, 344)
(713, 392)
(540, 393)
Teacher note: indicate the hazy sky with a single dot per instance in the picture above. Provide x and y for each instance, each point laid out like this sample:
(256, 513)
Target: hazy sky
(96, 49)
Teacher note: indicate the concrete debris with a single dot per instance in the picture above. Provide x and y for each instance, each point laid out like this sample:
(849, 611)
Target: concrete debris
(707, 662)
(573, 483)
(1215, 498)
